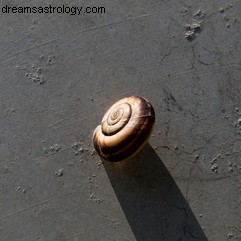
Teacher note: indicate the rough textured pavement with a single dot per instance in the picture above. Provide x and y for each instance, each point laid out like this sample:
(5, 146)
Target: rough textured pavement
(60, 73)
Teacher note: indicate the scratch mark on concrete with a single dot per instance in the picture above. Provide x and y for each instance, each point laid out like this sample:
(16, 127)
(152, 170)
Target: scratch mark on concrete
(80, 32)
(38, 204)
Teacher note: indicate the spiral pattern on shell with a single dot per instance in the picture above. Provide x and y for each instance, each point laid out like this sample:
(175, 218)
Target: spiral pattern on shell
(124, 129)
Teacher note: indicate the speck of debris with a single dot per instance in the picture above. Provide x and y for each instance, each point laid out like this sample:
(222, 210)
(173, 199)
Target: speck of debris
(50, 59)
(23, 190)
(196, 157)
(93, 153)
(114, 223)
(191, 30)
(91, 99)
(45, 151)
(237, 109)
(184, 11)
(59, 173)
(35, 75)
(98, 163)
(75, 145)
(227, 25)
(193, 26)
(190, 35)
(219, 156)
(226, 18)
(56, 148)
(52, 150)
(213, 161)
(93, 198)
(230, 235)
(199, 14)
(200, 215)
(77, 148)
(214, 168)
(238, 123)
(230, 170)
(81, 150)
(221, 10)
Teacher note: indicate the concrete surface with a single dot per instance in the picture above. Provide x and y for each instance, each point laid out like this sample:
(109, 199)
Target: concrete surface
(60, 73)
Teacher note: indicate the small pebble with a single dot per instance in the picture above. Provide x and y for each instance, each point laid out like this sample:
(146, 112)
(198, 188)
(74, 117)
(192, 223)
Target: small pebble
(213, 161)
(221, 10)
(214, 168)
(59, 173)
(193, 26)
(190, 35)
(226, 18)
(199, 13)
(230, 235)
(239, 122)
(81, 150)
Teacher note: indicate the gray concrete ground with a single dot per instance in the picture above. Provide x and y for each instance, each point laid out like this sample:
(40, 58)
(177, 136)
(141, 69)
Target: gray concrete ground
(60, 73)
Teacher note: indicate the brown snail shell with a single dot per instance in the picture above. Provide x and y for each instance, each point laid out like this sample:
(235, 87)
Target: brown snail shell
(125, 129)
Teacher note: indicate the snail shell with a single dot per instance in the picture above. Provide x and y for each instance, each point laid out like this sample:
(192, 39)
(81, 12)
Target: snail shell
(125, 128)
